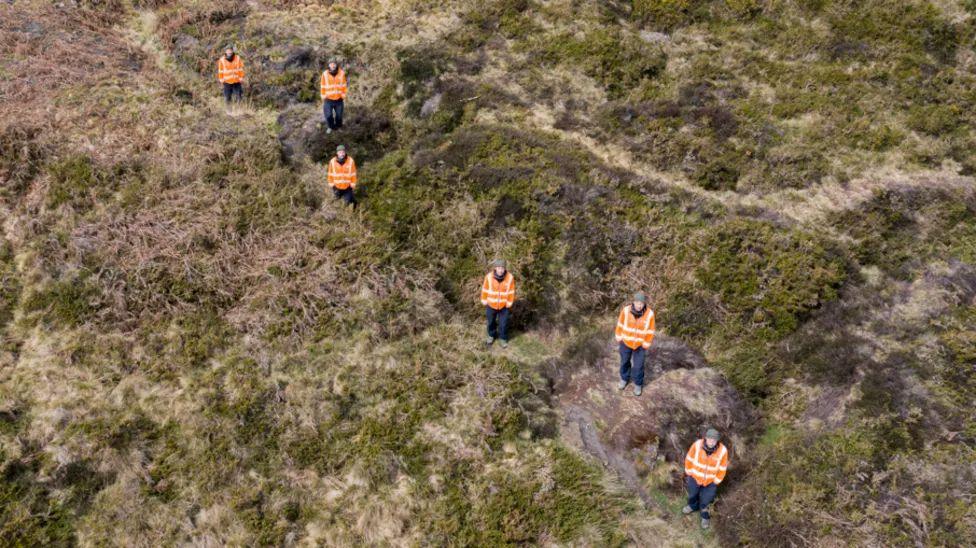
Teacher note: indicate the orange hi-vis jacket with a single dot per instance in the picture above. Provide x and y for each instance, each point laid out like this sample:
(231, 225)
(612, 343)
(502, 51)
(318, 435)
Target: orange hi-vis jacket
(230, 72)
(706, 469)
(498, 295)
(635, 332)
(342, 176)
(333, 87)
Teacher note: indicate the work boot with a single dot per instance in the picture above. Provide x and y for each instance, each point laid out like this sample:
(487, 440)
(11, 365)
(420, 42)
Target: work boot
(638, 389)
(621, 385)
(504, 343)
(490, 340)
(686, 510)
(328, 130)
(704, 523)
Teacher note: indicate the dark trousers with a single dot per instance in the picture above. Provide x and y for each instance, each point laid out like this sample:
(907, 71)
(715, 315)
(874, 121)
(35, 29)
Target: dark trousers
(700, 497)
(347, 195)
(628, 355)
(497, 322)
(233, 89)
(332, 111)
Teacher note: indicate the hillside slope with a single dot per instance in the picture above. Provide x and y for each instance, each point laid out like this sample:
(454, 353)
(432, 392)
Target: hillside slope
(197, 345)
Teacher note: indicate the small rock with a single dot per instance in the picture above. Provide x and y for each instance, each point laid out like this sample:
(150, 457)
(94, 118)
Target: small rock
(652, 37)
(431, 105)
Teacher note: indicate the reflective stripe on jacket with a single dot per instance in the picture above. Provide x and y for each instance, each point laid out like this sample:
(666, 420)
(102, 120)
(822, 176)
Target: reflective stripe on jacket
(333, 87)
(498, 295)
(230, 72)
(706, 469)
(342, 176)
(635, 332)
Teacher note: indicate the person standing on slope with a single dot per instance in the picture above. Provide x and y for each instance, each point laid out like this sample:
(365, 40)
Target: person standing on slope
(705, 466)
(498, 296)
(230, 73)
(342, 176)
(333, 91)
(635, 331)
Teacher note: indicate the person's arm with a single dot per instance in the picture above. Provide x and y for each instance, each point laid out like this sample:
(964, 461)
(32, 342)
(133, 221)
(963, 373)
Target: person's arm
(723, 465)
(345, 85)
(240, 67)
(330, 176)
(353, 178)
(322, 87)
(484, 291)
(689, 462)
(619, 331)
(511, 294)
(220, 71)
(649, 336)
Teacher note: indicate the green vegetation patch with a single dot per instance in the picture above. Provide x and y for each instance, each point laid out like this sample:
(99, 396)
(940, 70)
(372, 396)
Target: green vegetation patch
(767, 276)
(618, 60)
(40, 503)
(900, 230)
(65, 303)
(76, 181)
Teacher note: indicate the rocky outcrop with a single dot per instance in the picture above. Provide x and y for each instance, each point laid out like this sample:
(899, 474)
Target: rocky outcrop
(682, 396)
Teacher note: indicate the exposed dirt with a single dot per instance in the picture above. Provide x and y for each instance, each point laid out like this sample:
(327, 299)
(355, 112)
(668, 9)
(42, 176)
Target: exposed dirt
(632, 434)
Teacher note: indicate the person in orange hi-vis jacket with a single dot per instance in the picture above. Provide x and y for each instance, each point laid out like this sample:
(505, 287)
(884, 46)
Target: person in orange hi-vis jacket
(498, 296)
(333, 89)
(634, 333)
(705, 466)
(230, 73)
(342, 176)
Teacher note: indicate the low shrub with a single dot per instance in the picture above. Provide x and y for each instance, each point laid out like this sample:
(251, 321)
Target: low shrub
(616, 59)
(768, 276)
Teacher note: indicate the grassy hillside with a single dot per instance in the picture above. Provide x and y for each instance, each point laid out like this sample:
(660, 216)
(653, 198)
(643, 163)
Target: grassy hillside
(197, 345)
